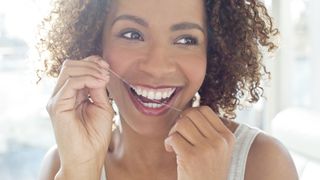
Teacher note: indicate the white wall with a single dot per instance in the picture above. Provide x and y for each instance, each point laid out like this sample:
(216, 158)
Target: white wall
(314, 22)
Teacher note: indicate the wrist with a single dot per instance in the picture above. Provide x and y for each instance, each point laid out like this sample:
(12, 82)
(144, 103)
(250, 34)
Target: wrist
(79, 172)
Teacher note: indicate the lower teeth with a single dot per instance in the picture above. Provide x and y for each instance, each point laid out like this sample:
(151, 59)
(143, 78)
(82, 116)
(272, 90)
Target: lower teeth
(152, 105)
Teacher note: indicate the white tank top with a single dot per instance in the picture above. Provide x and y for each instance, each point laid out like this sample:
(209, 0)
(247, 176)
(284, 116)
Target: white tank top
(245, 135)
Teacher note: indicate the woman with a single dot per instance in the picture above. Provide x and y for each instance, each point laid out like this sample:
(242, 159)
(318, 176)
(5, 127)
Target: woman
(151, 58)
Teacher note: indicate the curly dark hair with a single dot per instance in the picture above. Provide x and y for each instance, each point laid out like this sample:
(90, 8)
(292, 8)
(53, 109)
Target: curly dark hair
(238, 30)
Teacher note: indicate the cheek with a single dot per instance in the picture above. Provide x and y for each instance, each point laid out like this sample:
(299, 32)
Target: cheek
(194, 68)
(120, 57)
(119, 64)
(122, 62)
(116, 59)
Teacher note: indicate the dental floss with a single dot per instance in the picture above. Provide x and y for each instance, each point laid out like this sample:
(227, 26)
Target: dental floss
(118, 76)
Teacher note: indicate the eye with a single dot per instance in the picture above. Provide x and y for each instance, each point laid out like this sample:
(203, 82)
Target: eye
(187, 40)
(131, 35)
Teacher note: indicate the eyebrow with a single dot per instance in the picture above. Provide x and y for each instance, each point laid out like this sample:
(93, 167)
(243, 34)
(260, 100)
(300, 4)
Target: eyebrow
(175, 27)
(186, 26)
(131, 18)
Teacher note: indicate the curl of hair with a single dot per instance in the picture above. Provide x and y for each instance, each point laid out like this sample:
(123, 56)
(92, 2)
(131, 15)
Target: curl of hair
(72, 30)
(237, 30)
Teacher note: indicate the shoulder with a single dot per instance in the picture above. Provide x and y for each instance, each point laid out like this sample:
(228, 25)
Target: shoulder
(269, 159)
(50, 164)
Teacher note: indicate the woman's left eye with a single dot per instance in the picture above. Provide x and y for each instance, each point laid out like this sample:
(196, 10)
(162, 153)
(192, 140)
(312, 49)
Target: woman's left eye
(187, 41)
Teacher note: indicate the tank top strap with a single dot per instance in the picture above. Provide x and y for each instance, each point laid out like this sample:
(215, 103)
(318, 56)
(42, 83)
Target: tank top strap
(245, 136)
(103, 174)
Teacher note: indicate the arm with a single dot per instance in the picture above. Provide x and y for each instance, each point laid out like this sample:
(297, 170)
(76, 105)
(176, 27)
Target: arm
(50, 165)
(51, 169)
(268, 159)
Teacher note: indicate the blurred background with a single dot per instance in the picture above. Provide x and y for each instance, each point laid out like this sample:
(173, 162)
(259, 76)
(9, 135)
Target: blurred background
(290, 110)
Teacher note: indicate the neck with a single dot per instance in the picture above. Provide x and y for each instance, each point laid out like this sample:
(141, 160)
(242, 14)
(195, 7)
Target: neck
(140, 153)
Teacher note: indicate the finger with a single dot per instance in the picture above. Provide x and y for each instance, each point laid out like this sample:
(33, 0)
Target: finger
(99, 95)
(214, 120)
(86, 62)
(211, 133)
(201, 122)
(98, 59)
(188, 130)
(178, 144)
(66, 96)
(78, 68)
(223, 131)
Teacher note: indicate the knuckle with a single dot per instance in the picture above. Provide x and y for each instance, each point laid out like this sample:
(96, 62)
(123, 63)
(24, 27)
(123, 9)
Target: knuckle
(70, 80)
(189, 112)
(64, 69)
(180, 125)
(208, 150)
(204, 108)
(220, 142)
(174, 138)
(49, 106)
(96, 71)
(66, 63)
(92, 58)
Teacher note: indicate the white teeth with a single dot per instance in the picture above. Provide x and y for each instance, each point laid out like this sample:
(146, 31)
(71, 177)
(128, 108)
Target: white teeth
(165, 94)
(139, 91)
(144, 93)
(153, 94)
(158, 96)
(152, 105)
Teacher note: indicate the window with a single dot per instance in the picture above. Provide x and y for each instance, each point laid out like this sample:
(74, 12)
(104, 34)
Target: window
(295, 68)
(25, 129)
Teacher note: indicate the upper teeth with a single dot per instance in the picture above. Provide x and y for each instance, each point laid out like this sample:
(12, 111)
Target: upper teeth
(156, 94)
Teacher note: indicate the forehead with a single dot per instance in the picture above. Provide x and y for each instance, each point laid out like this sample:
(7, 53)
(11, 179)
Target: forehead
(161, 11)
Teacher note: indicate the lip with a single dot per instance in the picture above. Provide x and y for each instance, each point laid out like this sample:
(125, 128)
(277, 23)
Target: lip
(152, 111)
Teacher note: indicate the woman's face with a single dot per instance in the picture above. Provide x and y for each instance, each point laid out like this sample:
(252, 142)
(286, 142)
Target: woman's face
(159, 47)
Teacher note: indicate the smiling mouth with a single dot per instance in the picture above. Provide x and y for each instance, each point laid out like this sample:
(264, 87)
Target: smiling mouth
(152, 101)
(152, 98)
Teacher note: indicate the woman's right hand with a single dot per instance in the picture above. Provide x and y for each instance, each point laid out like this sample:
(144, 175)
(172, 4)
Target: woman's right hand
(82, 127)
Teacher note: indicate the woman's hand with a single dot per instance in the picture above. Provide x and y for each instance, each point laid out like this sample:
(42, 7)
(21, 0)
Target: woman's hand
(203, 145)
(82, 127)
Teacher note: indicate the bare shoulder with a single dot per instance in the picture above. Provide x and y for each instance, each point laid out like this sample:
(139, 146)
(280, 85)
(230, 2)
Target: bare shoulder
(50, 164)
(268, 159)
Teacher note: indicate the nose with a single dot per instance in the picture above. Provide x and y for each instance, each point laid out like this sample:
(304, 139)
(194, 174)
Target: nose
(158, 62)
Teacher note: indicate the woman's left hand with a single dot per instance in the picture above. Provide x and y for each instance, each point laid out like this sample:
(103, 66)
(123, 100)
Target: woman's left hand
(203, 145)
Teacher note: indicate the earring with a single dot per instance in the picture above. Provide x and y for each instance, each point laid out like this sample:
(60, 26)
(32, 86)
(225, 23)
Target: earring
(114, 123)
(196, 100)
(112, 103)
